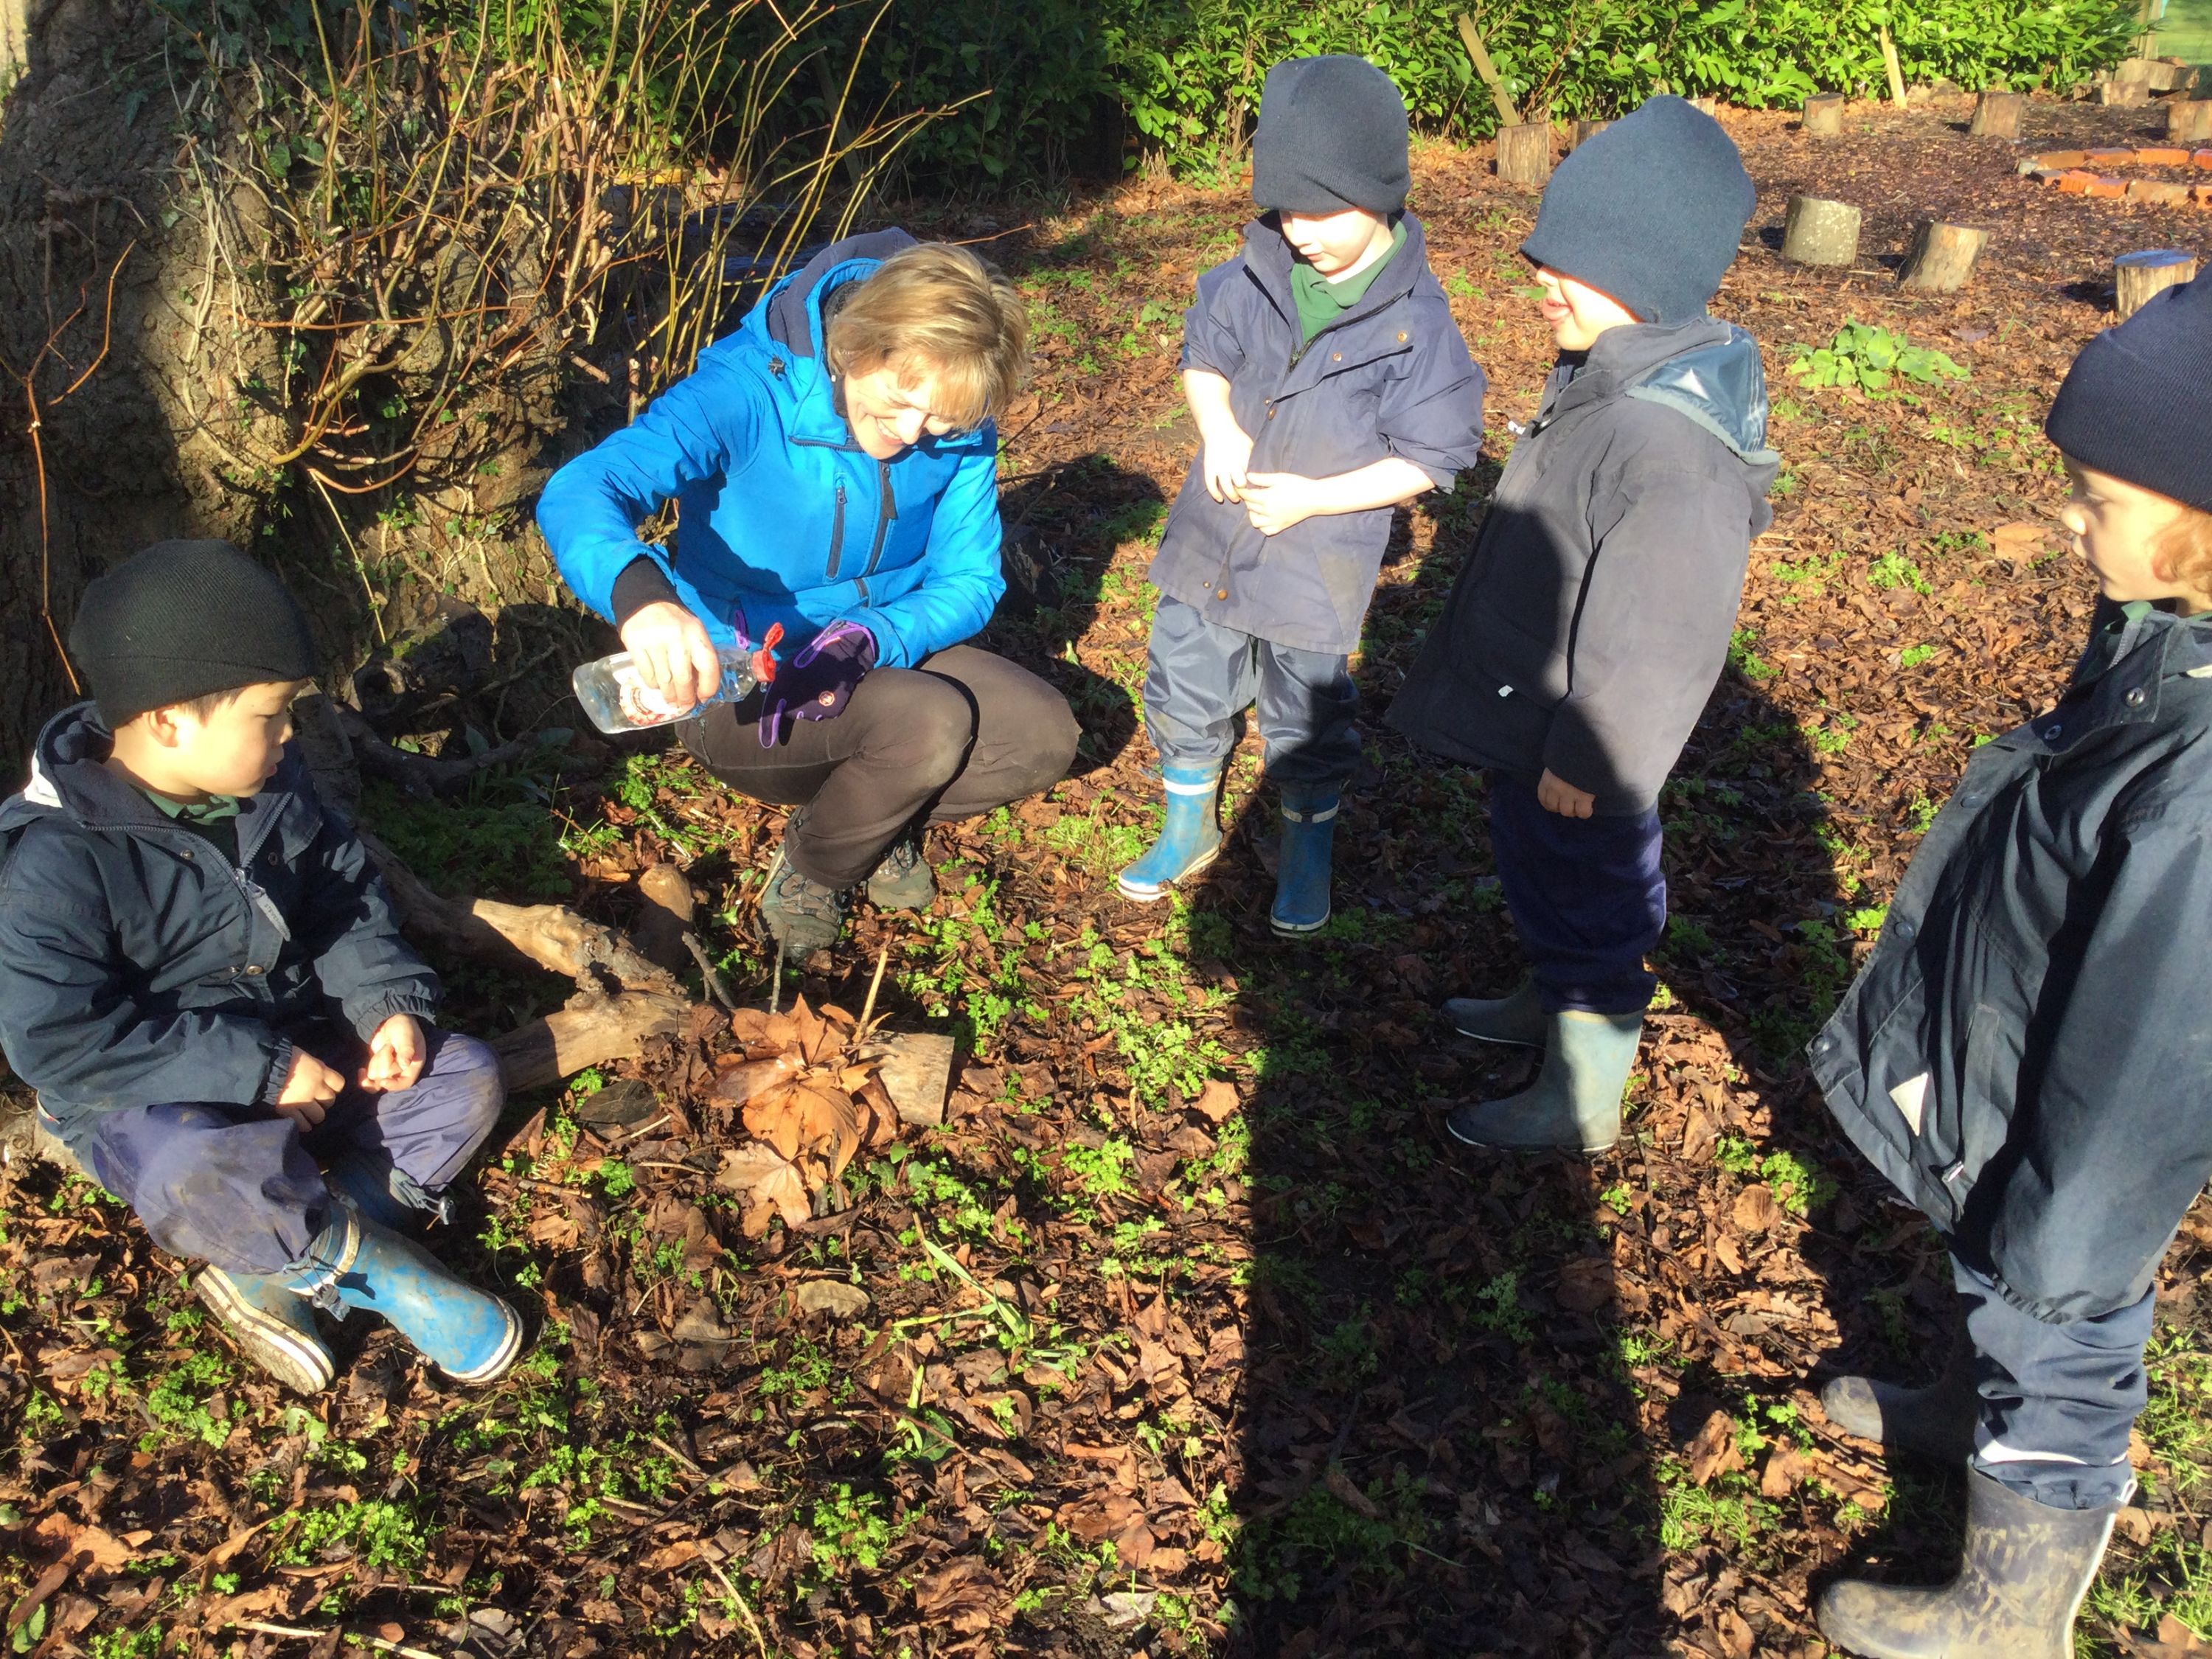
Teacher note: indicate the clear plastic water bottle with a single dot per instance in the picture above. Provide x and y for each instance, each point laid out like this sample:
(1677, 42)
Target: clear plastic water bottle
(618, 699)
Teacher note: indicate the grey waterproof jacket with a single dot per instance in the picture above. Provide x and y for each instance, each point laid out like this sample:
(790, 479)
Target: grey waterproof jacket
(1592, 616)
(2026, 1054)
(1392, 377)
(138, 968)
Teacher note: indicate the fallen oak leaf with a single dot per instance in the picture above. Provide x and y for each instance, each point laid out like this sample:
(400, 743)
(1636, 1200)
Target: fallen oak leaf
(1218, 1101)
(1715, 1452)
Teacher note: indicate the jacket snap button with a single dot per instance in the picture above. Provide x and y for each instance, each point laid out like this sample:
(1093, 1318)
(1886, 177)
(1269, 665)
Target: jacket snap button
(1969, 800)
(1905, 930)
(1220, 592)
(2052, 730)
(2134, 698)
(1338, 357)
(1401, 337)
(1271, 414)
(186, 853)
(252, 967)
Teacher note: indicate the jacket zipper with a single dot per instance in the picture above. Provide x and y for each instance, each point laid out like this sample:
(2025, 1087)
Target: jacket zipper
(883, 517)
(836, 536)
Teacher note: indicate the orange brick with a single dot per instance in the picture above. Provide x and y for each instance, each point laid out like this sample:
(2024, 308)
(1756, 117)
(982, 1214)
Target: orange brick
(2202, 158)
(2108, 186)
(2075, 182)
(2203, 193)
(2158, 192)
(2163, 158)
(2063, 159)
(2112, 155)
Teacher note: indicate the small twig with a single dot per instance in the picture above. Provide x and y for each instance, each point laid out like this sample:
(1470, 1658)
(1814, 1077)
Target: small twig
(868, 1008)
(708, 977)
(751, 1623)
(260, 1627)
(775, 981)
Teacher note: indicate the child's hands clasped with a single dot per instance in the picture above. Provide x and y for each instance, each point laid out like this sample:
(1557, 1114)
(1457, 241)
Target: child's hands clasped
(395, 1055)
(1274, 502)
(1226, 453)
(309, 1088)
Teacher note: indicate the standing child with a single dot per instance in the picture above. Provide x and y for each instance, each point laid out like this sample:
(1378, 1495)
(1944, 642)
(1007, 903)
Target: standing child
(2026, 1056)
(1330, 386)
(1581, 641)
(200, 977)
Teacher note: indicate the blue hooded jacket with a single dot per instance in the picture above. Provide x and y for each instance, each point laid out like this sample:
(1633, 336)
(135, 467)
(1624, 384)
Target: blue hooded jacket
(137, 968)
(783, 517)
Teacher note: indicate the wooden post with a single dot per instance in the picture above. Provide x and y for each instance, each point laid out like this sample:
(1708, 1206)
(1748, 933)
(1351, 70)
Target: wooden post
(2123, 94)
(2190, 122)
(1708, 106)
(1586, 131)
(1471, 39)
(1996, 114)
(1820, 233)
(1895, 69)
(1941, 257)
(1824, 115)
(1524, 153)
(2136, 277)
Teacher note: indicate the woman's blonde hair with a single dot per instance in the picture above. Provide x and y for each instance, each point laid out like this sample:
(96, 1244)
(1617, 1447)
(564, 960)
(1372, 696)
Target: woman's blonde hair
(936, 309)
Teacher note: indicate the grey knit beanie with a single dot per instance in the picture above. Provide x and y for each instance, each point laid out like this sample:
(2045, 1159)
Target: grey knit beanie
(1332, 134)
(1650, 211)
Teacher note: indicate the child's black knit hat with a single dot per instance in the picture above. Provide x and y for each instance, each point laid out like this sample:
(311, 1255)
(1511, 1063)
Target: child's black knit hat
(1650, 211)
(2138, 404)
(183, 620)
(1331, 135)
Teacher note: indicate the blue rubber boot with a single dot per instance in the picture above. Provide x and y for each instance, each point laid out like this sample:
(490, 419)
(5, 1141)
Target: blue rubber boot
(1189, 840)
(274, 1328)
(384, 1193)
(1574, 1102)
(356, 1263)
(1302, 870)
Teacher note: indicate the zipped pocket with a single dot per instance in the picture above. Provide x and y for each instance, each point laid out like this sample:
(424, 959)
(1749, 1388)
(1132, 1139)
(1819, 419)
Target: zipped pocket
(836, 536)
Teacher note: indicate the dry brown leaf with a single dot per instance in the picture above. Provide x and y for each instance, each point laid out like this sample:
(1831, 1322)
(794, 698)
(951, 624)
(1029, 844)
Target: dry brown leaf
(1785, 1466)
(1714, 1452)
(742, 1082)
(778, 1119)
(1586, 1283)
(1218, 1101)
(1755, 1208)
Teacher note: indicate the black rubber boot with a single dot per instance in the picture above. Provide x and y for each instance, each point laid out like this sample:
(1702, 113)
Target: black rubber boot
(2027, 1566)
(1517, 1018)
(1937, 1422)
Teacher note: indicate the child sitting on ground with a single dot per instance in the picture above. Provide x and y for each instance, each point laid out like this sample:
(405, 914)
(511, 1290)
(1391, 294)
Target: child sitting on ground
(1330, 386)
(2025, 1055)
(201, 978)
(1583, 636)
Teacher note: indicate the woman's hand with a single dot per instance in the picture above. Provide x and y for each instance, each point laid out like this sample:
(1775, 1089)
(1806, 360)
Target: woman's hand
(674, 656)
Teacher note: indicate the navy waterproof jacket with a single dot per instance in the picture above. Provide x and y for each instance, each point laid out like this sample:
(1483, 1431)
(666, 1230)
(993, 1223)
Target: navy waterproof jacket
(783, 517)
(1593, 615)
(1392, 377)
(2026, 1056)
(139, 967)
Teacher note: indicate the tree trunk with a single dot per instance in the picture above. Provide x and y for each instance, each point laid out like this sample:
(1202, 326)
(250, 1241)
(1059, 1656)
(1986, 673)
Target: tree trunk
(1824, 115)
(1524, 153)
(1996, 114)
(1821, 232)
(1942, 256)
(2137, 276)
(2190, 122)
(1586, 131)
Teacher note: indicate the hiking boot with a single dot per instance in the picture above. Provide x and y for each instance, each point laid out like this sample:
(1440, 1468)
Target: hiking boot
(472, 1336)
(1574, 1101)
(1189, 840)
(1517, 1018)
(800, 915)
(2026, 1568)
(1937, 1422)
(1302, 870)
(271, 1326)
(903, 881)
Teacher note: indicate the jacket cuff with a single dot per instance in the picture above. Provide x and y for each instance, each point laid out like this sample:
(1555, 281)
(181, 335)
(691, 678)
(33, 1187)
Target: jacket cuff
(280, 1070)
(368, 1018)
(642, 582)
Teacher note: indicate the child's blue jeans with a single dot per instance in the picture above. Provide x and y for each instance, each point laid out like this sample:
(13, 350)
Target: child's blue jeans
(242, 1187)
(1586, 895)
(1199, 677)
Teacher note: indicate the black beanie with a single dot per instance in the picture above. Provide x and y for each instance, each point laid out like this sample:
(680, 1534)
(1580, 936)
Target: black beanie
(1650, 211)
(1331, 135)
(183, 620)
(2137, 402)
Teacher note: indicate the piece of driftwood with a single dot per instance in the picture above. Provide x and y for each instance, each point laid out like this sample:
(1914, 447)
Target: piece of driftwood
(2189, 121)
(1815, 231)
(2137, 276)
(1524, 153)
(1942, 257)
(1996, 114)
(1824, 115)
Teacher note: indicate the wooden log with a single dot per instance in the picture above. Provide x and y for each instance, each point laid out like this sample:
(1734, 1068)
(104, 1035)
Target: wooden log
(2123, 94)
(1586, 131)
(1996, 114)
(1942, 257)
(670, 904)
(2153, 73)
(591, 1030)
(1824, 115)
(1821, 232)
(2189, 121)
(1471, 38)
(916, 1074)
(2137, 276)
(1895, 71)
(1524, 153)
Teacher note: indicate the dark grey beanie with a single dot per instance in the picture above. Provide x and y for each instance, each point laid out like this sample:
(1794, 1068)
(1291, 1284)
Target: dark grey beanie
(2137, 402)
(183, 620)
(1650, 211)
(1332, 134)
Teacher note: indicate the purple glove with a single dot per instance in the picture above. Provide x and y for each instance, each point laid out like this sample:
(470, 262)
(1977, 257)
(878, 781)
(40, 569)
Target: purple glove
(818, 682)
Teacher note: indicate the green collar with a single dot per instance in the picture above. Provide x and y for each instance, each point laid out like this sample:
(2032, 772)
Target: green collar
(1320, 301)
(213, 809)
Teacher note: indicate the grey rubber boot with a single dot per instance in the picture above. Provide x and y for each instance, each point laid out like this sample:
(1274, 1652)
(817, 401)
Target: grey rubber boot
(1937, 1422)
(1574, 1101)
(1517, 1018)
(2027, 1566)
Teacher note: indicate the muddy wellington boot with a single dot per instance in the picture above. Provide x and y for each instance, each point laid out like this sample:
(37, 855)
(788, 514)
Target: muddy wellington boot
(2027, 1566)
(273, 1328)
(469, 1334)
(1190, 839)
(1517, 1018)
(1301, 870)
(1574, 1102)
(1937, 1422)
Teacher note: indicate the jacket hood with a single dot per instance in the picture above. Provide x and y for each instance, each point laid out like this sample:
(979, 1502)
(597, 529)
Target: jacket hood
(1705, 370)
(68, 777)
(791, 313)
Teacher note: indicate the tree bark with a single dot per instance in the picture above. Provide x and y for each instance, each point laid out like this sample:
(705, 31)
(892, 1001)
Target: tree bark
(1524, 153)
(2137, 276)
(1824, 115)
(1942, 256)
(2189, 121)
(1821, 232)
(1996, 114)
